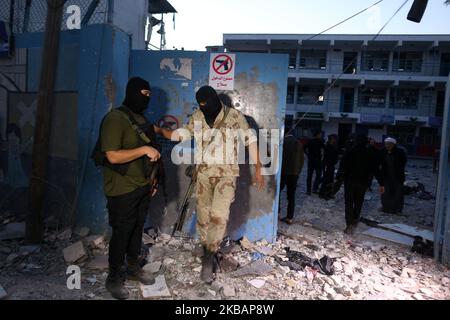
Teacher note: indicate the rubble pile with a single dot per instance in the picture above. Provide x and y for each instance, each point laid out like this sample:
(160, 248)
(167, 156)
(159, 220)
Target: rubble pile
(311, 259)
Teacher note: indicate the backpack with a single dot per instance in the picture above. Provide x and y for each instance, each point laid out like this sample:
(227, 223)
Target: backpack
(147, 136)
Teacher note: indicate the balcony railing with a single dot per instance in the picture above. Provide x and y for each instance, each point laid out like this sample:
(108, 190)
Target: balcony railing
(417, 68)
(424, 109)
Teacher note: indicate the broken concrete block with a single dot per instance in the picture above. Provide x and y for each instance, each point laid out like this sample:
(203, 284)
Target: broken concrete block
(164, 237)
(257, 283)
(98, 263)
(74, 252)
(168, 261)
(212, 292)
(82, 232)
(257, 268)
(13, 231)
(65, 235)
(229, 291)
(3, 293)
(146, 239)
(153, 267)
(95, 242)
(157, 290)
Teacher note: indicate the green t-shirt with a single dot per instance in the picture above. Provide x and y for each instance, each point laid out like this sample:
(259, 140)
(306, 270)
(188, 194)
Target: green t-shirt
(117, 134)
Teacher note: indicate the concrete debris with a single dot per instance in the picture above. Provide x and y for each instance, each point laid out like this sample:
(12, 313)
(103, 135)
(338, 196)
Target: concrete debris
(229, 291)
(75, 253)
(13, 231)
(3, 293)
(146, 239)
(82, 232)
(257, 283)
(257, 268)
(95, 242)
(164, 237)
(157, 290)
(212, 292)
(153, 267)
(98, 263)
(12, 258)
(65, 235)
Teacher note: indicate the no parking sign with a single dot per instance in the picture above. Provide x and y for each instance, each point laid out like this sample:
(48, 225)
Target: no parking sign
(221, 71)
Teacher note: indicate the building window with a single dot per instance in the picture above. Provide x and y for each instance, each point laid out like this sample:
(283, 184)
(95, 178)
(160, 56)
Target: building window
(404, 99)
(445, 64)
(408, 61)
(310, 95)
(292, 56)
(313, 59)
(290, 94)
(375, 61)
(405, 135)
(372, 97)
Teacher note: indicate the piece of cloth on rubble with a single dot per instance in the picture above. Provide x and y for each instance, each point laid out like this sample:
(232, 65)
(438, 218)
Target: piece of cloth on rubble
(298, 261)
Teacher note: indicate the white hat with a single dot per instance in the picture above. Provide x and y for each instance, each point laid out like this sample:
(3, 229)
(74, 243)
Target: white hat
(390, 140)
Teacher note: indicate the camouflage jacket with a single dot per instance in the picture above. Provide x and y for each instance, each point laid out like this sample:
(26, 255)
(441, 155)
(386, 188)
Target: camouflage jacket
(220, 153)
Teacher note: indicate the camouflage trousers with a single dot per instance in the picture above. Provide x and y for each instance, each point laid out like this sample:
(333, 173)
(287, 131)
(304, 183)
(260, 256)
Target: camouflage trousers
(214, 198)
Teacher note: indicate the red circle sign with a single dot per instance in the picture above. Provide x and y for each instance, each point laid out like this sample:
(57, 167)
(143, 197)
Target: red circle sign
(169, 122)
(223, 64)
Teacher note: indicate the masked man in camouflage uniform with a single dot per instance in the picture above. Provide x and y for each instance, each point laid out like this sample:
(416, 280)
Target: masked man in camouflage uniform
(218, 170)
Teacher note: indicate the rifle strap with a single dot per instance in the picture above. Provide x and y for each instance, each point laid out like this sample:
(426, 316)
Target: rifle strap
(126, 114)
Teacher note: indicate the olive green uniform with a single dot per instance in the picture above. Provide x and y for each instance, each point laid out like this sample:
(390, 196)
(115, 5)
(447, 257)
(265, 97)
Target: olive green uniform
(117, 134)
(216, 183)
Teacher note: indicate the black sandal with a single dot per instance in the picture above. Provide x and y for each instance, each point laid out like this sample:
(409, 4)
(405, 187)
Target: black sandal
(287, 221)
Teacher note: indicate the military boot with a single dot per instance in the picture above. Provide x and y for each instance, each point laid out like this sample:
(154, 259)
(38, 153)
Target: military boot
(136, 273)
(207, 273)
(115, 284)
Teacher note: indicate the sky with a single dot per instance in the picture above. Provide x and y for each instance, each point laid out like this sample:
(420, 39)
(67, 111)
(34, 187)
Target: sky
(200, 23)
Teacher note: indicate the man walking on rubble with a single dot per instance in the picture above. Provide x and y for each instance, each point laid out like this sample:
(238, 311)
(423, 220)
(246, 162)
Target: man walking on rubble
(330, 160)
(128, 153)
(393, 162)
(357, 165)
(314, 150)
(216, 183)
(293, 160)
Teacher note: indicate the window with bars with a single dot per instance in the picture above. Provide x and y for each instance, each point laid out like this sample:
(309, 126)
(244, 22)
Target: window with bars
(310, 94)
(313, 59)
(408, 61)
(372, 97)
(375, 61)
(404, 98)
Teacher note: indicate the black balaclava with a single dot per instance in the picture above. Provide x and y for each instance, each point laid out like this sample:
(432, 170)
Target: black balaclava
(134, 99)
(213, 105)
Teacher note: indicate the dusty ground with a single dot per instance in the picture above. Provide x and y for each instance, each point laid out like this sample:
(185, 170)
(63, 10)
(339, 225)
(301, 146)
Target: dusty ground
(365, 268)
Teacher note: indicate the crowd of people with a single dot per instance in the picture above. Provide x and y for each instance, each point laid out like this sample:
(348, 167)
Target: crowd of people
(354, 166)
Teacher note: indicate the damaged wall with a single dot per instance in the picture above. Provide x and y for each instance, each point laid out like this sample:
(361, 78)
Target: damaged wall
(260, 92)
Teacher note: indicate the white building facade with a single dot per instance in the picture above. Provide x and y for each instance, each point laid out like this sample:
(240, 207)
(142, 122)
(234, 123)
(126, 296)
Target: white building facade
(391, 85)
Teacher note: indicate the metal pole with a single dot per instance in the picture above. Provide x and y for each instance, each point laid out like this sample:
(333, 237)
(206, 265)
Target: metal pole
(34, 221)
(441, 211)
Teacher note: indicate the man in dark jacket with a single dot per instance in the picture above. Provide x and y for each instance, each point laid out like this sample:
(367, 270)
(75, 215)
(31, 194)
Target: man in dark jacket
(393, 170)
(314, 150)
(293, 160)
(330, 159)
(357, 165)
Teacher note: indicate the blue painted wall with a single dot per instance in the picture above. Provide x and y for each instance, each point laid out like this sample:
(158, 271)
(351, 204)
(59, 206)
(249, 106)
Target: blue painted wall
(260, 93)
(104, 55)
